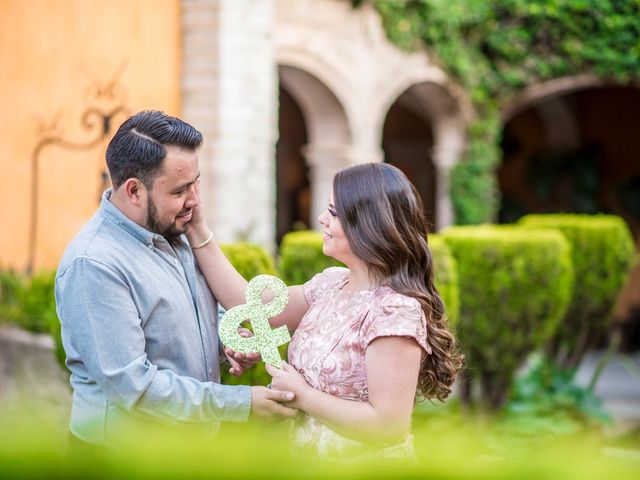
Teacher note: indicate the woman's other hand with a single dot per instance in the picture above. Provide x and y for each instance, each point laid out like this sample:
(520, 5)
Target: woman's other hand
(288, 379)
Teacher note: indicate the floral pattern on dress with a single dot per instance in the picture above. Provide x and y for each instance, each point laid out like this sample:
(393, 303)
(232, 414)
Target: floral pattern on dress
(328, 348)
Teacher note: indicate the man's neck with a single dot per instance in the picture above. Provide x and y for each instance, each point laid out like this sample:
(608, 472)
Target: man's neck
(118, 199)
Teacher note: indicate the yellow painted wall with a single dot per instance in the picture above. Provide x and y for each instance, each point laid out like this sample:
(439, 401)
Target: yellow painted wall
(57, 58)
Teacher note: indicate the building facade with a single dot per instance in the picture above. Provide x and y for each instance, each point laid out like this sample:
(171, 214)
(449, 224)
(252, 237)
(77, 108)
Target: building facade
(286, 92)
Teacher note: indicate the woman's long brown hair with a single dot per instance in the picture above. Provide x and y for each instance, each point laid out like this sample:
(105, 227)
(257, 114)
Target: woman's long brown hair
(384, 221)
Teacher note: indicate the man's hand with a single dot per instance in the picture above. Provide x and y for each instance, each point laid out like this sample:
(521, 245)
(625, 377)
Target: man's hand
(265, 404)
(241, 361)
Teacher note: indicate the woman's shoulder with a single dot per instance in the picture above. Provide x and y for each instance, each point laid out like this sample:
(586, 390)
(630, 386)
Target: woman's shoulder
(323, 282)
(387, 298)
(332, 276)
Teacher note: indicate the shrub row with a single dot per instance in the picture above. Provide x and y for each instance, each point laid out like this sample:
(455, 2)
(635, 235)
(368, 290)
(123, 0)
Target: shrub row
(521, 288)
(507, 290)
(602, 254)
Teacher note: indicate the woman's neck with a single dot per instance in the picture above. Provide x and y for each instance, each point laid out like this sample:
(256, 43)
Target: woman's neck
(360, 279)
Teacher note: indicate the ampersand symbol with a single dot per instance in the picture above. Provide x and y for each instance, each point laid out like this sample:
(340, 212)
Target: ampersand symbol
(264, 340)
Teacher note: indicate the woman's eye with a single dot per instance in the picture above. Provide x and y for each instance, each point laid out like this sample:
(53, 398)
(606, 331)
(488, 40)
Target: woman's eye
(333, 213)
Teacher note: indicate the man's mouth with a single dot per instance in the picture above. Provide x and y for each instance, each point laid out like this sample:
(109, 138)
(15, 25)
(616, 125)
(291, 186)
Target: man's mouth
(186, 215)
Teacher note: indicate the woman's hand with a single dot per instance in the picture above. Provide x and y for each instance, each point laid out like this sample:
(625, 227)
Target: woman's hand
(288, 379)
(197, 229)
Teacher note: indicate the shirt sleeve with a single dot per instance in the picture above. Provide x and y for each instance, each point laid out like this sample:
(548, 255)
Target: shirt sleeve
(101, 324)
(396, 316)
(322, 282)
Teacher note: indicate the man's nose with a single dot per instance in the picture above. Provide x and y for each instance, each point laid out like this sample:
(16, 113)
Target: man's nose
(192, 197)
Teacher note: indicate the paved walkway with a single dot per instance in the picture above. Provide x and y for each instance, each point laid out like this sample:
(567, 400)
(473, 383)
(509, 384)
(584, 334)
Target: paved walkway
(618, 386)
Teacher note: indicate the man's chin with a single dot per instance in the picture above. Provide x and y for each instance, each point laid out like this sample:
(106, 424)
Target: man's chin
(174, 232)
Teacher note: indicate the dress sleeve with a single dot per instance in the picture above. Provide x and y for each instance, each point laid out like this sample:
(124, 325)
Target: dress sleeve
(323, 282)
(396, 316)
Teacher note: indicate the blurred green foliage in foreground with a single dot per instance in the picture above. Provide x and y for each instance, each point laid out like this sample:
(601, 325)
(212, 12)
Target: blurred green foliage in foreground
(449, 445)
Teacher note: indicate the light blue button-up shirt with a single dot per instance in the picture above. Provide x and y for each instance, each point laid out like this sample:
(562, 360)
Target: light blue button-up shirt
(139, 327)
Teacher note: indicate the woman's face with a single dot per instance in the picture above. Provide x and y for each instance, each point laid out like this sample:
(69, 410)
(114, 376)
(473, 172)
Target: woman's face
(335, 244)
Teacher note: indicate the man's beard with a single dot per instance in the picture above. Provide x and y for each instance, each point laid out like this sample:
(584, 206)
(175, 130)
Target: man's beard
(170, 233)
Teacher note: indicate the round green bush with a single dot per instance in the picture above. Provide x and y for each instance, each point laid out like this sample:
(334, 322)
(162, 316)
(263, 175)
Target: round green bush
(602, 253)
(29, 303)
(515, 287)
(446, 277)
(301, 256)
(249, 259)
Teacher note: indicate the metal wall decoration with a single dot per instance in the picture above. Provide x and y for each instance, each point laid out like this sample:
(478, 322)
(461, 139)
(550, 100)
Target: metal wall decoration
(98, 122)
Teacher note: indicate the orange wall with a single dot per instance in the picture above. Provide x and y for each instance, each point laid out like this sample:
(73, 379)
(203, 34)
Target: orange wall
(52, 55)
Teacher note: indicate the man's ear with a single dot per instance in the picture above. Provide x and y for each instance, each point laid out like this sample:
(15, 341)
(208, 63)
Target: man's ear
(134, 190)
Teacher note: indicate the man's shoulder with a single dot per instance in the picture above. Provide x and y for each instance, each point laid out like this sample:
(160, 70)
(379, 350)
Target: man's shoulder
(99, 241)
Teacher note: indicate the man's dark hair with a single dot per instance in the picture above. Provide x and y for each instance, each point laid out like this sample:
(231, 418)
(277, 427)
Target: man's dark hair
(138, 148)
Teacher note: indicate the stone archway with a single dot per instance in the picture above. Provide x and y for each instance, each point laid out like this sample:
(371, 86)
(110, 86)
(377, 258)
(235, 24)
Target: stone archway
(327, 132)
(570, 126)
(428, 145)
(347, 50)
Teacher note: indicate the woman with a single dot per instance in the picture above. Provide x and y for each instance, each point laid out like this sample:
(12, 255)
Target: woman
(366, 336)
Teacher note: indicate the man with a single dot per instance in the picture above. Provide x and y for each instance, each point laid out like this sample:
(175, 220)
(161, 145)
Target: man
(138, 320)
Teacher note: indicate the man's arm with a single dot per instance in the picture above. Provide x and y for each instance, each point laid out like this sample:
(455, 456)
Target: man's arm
(101, 323)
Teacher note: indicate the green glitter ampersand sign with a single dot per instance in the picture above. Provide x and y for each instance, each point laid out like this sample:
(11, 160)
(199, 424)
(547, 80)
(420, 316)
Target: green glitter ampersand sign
(264, 339)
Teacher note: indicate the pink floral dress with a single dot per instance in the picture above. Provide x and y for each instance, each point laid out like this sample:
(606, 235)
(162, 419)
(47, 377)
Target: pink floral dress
(328, 349)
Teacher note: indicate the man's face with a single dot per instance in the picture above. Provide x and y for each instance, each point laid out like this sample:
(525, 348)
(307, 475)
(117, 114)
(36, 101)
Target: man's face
(174, 194)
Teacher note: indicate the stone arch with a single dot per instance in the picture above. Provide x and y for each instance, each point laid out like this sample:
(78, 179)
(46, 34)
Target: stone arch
(547, 90)
(328, 131)
(422, 93)
(348, 51)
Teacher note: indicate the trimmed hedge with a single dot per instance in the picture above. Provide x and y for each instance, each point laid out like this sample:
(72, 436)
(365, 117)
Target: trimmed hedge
(446, 277)
(301, 257)
(30, 304)
(515, 287)
(603, 253)
(249, 259)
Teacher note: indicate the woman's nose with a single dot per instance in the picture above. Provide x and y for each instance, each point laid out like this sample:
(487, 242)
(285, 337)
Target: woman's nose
(322, 219)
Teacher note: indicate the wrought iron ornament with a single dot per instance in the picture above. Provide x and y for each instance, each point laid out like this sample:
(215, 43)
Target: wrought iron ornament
(264, 340)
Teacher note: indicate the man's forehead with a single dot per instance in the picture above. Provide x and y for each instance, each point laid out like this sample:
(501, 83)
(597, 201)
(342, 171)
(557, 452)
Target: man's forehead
(179, 166)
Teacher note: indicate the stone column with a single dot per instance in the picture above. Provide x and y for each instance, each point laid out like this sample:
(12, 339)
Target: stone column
(445, 216)
(324, 161)
(444, 159)
(230, 92)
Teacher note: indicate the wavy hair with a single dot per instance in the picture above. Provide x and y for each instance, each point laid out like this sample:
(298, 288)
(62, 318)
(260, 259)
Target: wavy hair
(386, 227)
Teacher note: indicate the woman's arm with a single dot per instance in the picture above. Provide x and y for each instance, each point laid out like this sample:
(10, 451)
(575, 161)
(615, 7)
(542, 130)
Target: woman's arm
(226, 284)
(392, 365)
